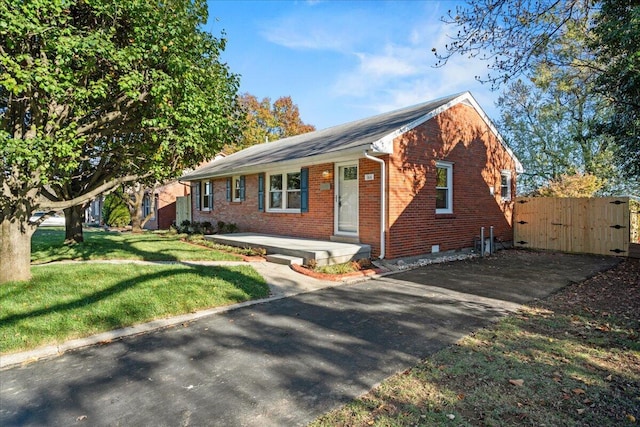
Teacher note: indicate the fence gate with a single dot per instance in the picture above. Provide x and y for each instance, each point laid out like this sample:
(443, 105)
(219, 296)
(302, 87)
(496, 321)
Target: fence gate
(183, 209)
(603, 225)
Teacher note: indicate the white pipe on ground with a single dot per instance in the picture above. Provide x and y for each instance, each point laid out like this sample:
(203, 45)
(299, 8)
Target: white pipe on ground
(383, 216)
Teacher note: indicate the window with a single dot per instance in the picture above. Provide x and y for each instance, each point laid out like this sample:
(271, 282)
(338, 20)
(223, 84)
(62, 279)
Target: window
(505, 185)
(236, 189)
(146, 205)
(293, 190)
(207, 195)
(284, 191)
(444, 187)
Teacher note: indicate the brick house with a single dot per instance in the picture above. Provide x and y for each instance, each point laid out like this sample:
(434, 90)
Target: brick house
(164, 207)
(413, 181)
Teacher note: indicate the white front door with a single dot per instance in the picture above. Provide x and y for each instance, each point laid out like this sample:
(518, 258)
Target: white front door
(346, 199)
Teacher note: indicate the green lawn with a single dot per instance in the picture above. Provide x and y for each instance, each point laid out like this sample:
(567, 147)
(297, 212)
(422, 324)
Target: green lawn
(47, 245)
(71, 300)
(68, 301)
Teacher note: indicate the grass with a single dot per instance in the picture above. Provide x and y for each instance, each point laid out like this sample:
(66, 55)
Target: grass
(72, 300)
(65, 301)
(47, 245)
(567, 363)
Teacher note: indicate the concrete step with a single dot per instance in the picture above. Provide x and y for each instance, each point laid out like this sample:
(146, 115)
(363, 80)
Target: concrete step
(284, 259)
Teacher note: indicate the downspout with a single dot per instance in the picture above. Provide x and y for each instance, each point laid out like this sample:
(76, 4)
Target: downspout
(383, 216)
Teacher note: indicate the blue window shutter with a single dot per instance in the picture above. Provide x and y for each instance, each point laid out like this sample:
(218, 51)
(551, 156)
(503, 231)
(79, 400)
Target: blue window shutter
(211, 194)
(196, 194)
(304, 190)
(242, 187)
(228, 189)
(261, 192)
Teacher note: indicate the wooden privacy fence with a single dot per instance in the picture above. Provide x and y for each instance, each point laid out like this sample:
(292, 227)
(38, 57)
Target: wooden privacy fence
(183, 209)
(602, 225)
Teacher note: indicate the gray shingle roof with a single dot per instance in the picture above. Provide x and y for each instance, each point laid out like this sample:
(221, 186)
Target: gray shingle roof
(348, 137)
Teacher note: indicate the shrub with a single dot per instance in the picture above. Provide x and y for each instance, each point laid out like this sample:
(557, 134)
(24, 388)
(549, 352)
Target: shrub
(115, 211)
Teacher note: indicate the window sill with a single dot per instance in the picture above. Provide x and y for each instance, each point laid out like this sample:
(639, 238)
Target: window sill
(286, 211)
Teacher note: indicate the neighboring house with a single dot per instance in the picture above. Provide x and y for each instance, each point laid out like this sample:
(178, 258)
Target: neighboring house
(413, 181)
(164, 206)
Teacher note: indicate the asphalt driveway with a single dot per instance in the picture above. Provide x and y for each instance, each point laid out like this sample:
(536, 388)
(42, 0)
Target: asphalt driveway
(287, 361)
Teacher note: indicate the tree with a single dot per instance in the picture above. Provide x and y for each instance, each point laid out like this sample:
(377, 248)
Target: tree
(266, 122)
(617, 48)
(96, 94)
(549, 119)
(134, 196)
(517, 37)
(577, 185)
(115, 211)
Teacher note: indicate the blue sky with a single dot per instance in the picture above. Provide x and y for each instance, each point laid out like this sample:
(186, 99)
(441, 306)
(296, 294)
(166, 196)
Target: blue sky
(344, 60)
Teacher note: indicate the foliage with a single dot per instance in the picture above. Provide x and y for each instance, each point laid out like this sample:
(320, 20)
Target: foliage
(115, 211)
(227, 227)
(269, 122)
(70, 301)
(617, 48)
(516, 36)
(94, 94)
(577, 185)
(547, 124)
(559, 41)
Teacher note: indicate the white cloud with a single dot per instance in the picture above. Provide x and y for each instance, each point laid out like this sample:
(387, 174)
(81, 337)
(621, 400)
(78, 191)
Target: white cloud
(384, 61)
(402, 74)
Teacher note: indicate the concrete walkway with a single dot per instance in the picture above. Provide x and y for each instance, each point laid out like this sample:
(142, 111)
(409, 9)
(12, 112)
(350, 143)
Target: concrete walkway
(286, 361)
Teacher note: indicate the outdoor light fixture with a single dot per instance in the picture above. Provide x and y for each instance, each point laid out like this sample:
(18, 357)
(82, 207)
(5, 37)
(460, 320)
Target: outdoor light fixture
(326, 174)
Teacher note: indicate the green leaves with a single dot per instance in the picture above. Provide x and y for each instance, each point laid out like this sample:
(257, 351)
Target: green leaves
(91, 91)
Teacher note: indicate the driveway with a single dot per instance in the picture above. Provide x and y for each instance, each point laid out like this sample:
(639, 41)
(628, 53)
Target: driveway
(287, 361)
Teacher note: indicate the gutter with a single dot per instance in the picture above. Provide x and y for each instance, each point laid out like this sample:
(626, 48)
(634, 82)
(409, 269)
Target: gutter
(383, 216)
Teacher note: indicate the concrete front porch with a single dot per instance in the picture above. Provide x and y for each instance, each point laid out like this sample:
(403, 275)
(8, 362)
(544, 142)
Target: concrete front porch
(288, 250)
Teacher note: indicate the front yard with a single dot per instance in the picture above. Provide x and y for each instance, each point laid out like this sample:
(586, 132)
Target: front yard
(70, 300)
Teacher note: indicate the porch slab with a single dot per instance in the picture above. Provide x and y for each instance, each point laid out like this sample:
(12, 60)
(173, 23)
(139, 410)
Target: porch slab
(321, 251)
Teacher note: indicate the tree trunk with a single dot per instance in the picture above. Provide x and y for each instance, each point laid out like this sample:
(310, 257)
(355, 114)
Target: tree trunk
(15, 250)
(73, 217)
(134, 202)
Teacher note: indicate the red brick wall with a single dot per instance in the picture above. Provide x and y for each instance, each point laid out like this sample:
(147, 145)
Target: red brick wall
(317, 223)
(369, 206)
(458, 135)
(461, 137)
(166, 205)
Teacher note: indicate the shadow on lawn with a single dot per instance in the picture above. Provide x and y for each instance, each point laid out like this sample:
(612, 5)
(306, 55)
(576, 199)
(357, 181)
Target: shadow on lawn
(244, 288)
(99, 244)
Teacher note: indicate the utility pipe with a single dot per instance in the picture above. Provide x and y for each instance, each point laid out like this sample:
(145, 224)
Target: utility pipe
(383, 216)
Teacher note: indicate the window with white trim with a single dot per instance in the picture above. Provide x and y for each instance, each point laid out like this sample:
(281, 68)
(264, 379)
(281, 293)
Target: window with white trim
(284, 191)
(207, 195)
(444, 187)
(505, 185)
